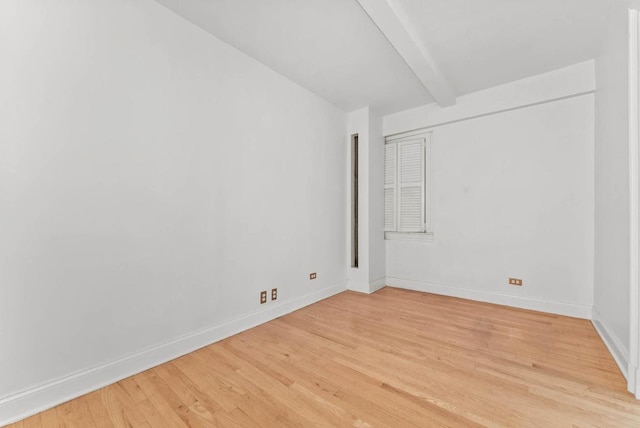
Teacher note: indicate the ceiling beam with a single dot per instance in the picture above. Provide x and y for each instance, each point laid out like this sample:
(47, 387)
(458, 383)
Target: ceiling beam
(396, 27)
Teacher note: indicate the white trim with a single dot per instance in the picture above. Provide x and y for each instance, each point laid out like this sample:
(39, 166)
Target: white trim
(46, 396)
(635, 375)
(377, 284)
(617, 350)
(360, 287)
(367, 288)
(553, 307)
(400, 136)
(408, 236)
(634, 292)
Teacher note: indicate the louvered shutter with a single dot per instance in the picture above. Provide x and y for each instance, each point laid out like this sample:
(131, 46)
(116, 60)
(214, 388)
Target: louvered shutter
(410, 186)
(390, 187)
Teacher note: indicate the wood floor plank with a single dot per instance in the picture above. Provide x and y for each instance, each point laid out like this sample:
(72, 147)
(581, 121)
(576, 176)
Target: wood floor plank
(394, 358)
(34, 422)
(49, 418)
(98, 411)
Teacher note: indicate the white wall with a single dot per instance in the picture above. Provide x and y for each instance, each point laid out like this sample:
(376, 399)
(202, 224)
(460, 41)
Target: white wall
(611, 281)
(358, 123)
(564, 82)
(369, 276)
(152, 181)
(377, 246)
(512, 196)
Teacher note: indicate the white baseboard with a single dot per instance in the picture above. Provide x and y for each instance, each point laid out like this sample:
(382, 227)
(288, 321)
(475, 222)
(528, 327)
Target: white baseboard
(19, 406)
(617, 350)
(367, 288)
(377, 284)
(633, 378)
(559, 308)
(360, 287)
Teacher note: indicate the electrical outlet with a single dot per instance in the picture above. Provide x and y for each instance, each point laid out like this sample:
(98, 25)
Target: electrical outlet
(312, 275)
(274, 294)
(515, 281)
(263, 297)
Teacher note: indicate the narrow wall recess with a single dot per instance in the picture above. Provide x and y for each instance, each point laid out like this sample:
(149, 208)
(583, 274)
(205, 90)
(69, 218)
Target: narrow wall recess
(354, 201)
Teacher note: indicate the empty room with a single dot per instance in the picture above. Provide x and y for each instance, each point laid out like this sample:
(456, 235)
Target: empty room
(319, 213)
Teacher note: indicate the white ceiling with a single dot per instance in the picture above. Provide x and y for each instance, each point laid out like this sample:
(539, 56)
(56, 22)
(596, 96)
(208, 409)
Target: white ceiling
(332, 47)
(483, 43)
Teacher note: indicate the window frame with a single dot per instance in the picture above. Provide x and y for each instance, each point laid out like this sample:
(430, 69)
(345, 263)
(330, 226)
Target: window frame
(427, 233)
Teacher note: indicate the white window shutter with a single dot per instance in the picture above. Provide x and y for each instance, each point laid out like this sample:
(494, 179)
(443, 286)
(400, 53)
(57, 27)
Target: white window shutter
(390, 187)
(410, 186)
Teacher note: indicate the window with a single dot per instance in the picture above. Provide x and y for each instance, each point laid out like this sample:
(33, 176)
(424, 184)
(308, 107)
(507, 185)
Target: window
(406, 187)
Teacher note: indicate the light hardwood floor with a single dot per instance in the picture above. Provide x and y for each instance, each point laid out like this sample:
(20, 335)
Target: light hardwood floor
(396, 358)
